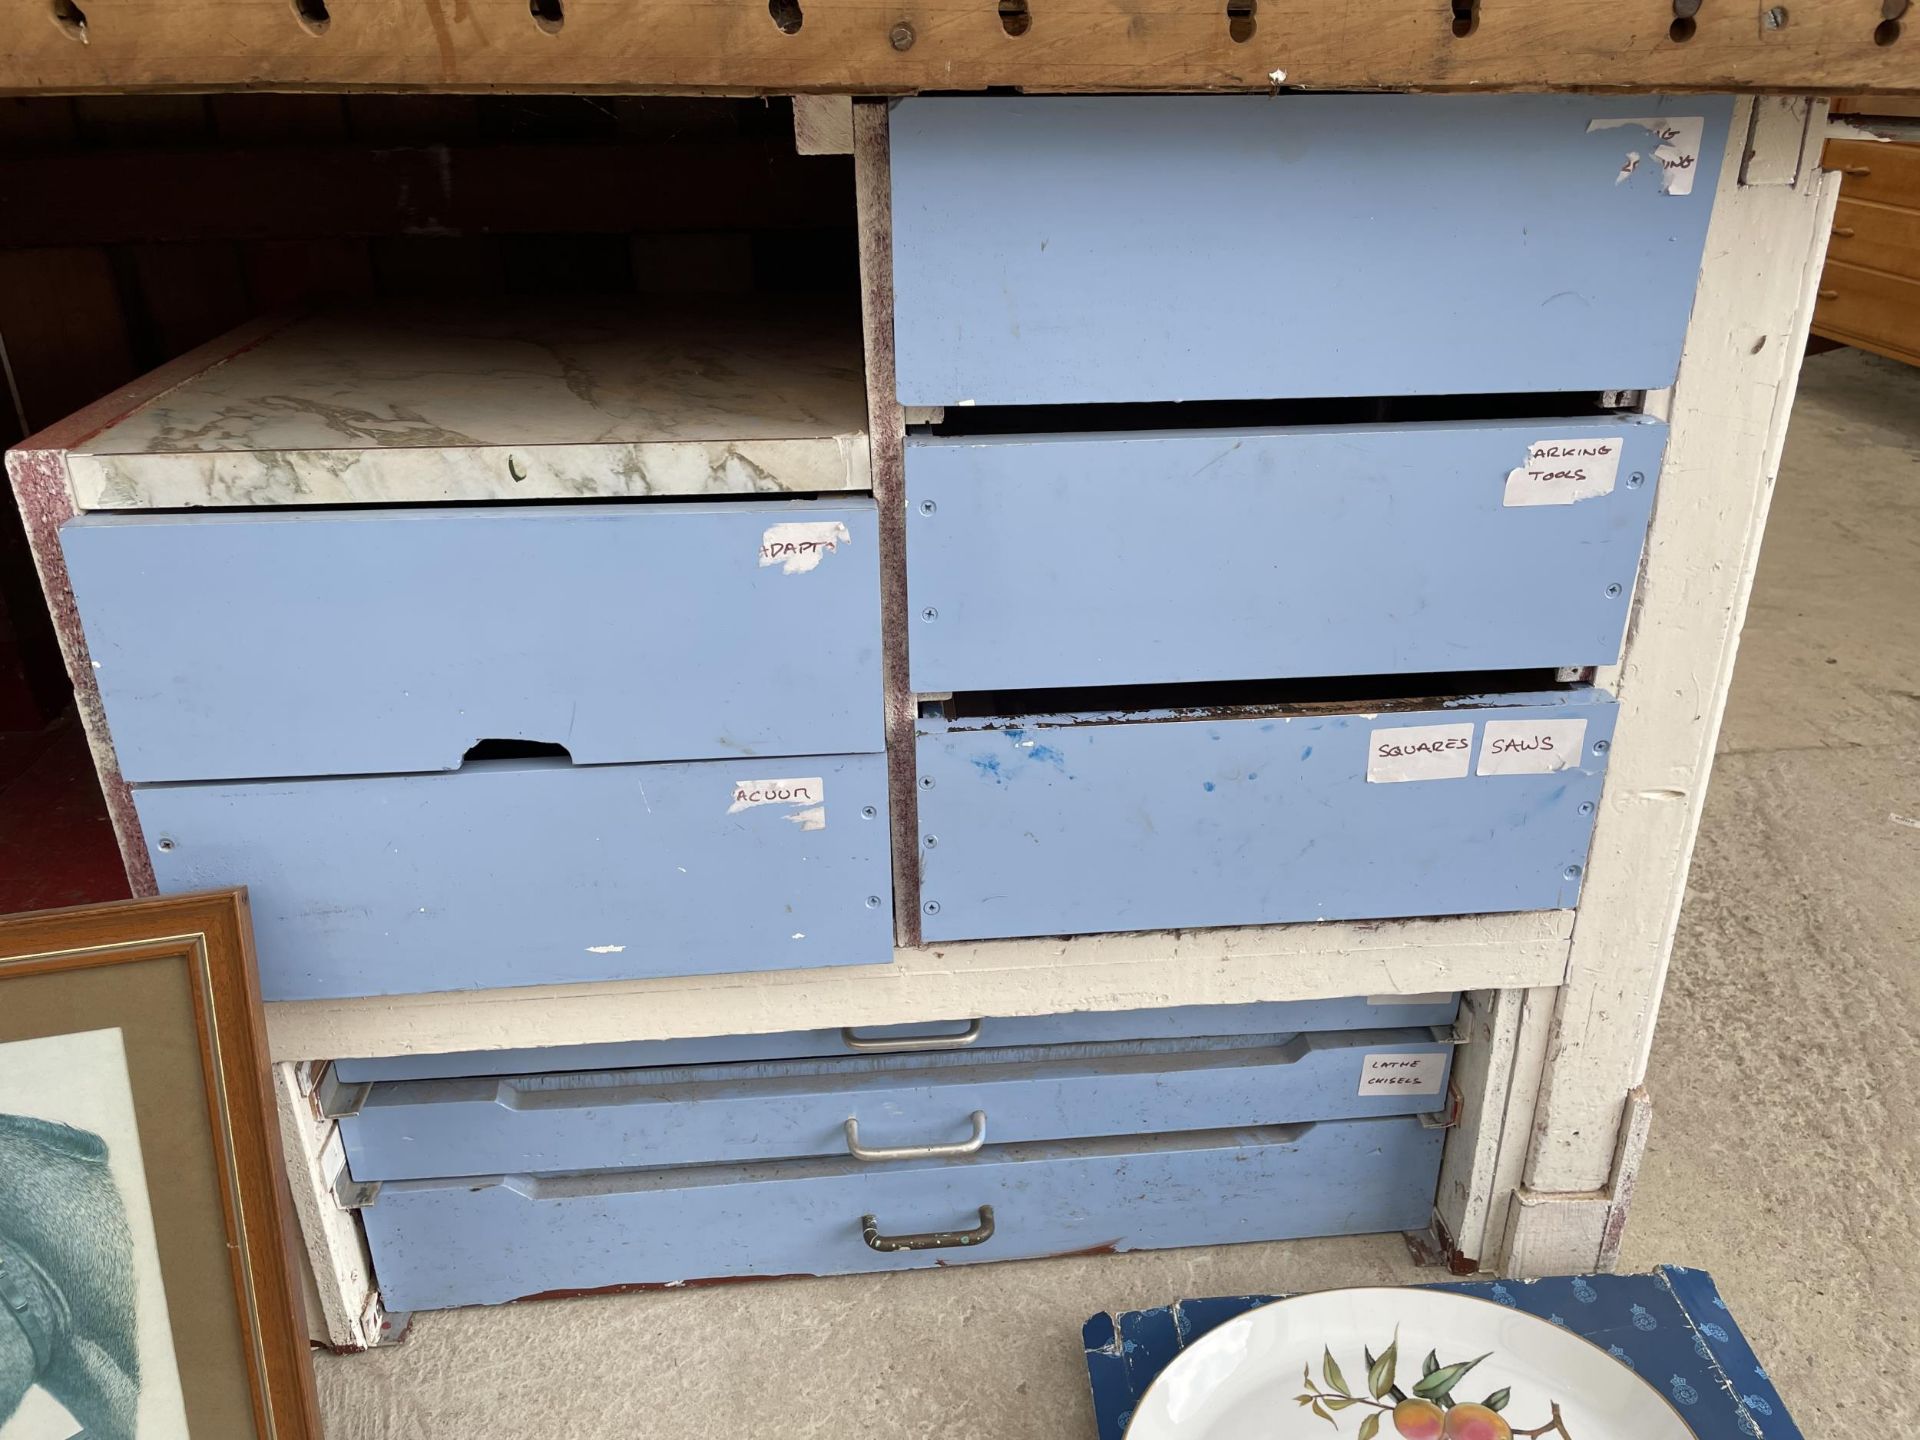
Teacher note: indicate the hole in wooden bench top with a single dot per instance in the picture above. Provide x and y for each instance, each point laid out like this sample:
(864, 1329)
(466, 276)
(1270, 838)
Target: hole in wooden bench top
(312, 15)
(787, 16)
(1241, 20)
(549, 15)
(71, 19)
(1015, 18)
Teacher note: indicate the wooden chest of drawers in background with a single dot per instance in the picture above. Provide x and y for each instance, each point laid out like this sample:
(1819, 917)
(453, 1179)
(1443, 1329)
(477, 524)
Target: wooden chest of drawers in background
(1870, 292)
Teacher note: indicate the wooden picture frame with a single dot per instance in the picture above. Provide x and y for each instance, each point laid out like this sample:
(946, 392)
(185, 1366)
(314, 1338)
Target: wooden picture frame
(168, 985)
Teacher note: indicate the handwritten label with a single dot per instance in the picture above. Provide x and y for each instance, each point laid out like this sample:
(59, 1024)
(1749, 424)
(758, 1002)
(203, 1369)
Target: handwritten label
(1676, 141)
(1559, 472)
(1432, 997)
(798, 546)
(1419, 752)
(806, 792)
(1384, 1073)
(1531, 747)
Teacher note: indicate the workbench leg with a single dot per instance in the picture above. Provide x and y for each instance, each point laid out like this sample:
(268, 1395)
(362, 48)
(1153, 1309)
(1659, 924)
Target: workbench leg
(1728, 415)
(339, 1274)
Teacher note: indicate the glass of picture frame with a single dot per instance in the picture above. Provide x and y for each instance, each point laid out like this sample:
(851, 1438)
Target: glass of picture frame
(148, 1289)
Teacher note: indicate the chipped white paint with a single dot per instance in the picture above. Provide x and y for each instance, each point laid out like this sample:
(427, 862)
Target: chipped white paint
(814, 817)
(1530, 747)
(337, 1272)
(798, 546)
(1911, 822)
(805, 790)
(1418, 752)
(605, 949)
(997, 977)
(1560, 472)
(1728, 416)
(1385, 1073)
(1677, 140)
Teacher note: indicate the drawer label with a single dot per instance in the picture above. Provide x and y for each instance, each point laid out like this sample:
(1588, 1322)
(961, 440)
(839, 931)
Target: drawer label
(1419, 752)
(1559, 472)
(798, 546)
(1385, 1073)
(1531, 747)
(808, 793)
(1675, 141)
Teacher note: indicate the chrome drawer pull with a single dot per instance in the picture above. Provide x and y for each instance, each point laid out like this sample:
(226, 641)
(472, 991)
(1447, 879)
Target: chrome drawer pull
(917, 1152)
(932, 1240)
(855, 1041)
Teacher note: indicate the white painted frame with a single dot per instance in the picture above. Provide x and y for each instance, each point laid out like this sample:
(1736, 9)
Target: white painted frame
(1540, 1165)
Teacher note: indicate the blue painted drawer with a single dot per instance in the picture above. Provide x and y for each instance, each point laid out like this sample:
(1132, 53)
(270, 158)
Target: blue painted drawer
(1347, 1013)
(439, 1243)
(1068, 250)
(282, 643)
(1193, 555)
(1057, 825)
(691, 1115)
(527, 873)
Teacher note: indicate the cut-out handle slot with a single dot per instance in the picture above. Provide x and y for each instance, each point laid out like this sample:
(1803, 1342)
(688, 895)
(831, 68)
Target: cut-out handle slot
(498, 749)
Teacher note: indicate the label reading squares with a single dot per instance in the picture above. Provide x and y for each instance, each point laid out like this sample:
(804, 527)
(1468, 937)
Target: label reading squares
(1419, 752)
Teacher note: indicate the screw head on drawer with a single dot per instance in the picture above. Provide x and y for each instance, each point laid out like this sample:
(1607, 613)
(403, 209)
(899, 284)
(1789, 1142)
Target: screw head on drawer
(873, 902)
(932, 907)
(927, 507)
(1586, 807)
(926, 782)
(867, 812)
(931, 841)
(1636, 480)
(165, 844)
(1600, 747)
(1613, 592)
(929, 613)
(1572, 872)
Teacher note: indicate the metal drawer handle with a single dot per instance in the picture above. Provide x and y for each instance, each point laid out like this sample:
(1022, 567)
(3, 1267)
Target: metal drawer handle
(931, 1240)
(1828, 295)
(854, 1041)
(1843, 232)
(917, 1152)
(1858, 170)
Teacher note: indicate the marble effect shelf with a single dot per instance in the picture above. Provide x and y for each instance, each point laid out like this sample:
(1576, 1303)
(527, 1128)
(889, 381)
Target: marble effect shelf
(531, 400)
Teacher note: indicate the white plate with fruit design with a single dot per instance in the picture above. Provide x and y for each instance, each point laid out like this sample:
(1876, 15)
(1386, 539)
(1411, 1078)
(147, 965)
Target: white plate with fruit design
(1399, 1365)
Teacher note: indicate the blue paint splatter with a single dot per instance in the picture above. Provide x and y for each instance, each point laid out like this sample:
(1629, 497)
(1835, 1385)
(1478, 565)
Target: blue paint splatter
(1267, 726)
(1306, 752)
(989, 767)
(1047, 755)
(1253, 774)
(1207, 785)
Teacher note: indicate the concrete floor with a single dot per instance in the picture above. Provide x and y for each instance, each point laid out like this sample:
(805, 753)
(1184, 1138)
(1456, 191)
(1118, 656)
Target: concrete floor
(1784, 1155)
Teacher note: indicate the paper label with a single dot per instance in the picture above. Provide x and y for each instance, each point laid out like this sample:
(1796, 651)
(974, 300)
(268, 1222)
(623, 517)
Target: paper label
(1435, 997)
(1675, 141)
(806, 792)
(1419, 752)
(1559, 472)
(798, 546)
(1384, 1073)
(1530, 747)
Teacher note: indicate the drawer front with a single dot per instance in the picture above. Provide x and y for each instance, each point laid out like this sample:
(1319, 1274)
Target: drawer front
(1041, 561)
(439, 1243)
(1282, 1016)
(1072, 825)
(745, 1112)
(1877, 237)
(1065, 250)
(244, 645)
(509, 873)
(1878, 310)
(1877, 171)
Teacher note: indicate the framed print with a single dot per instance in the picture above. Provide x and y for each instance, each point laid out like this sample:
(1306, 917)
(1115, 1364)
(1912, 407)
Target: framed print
(147, 1284)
